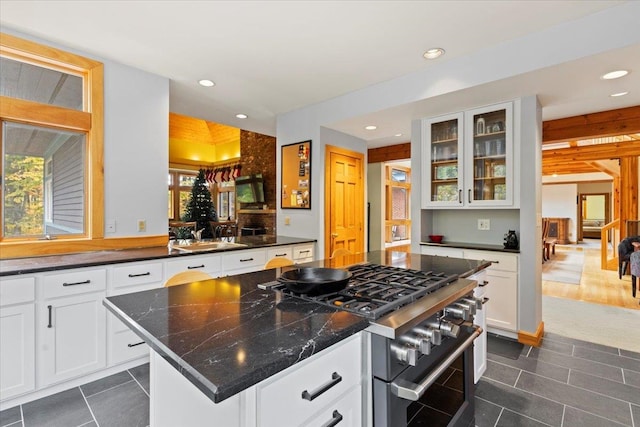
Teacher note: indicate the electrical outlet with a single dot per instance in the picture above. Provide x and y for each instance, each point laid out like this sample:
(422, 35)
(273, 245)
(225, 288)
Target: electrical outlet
(142, 225)
(484, 224)
(110, 226)
(287, 220)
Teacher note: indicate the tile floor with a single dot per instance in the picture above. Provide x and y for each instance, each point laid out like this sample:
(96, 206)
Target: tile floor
(565, 383)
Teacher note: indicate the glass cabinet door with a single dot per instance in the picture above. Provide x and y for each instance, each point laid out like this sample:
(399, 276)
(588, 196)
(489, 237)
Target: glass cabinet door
(443, 160)
(490, 170)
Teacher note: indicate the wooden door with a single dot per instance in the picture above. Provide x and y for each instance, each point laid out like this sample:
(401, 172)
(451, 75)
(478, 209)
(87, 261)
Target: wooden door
(344, 200)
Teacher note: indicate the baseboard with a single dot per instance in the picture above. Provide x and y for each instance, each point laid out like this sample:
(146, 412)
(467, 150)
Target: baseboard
(534, 339)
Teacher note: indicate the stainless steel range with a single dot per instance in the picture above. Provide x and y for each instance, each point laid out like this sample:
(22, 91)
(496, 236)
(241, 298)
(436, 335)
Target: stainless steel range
(422, 331)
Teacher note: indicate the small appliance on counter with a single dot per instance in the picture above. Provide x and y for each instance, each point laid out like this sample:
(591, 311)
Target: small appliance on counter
(511, 240)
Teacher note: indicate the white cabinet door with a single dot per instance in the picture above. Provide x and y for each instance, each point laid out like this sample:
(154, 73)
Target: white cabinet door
(480, 343)
(17, 350)
(502, 292)
(346, 411)
(208, 263)
(73, 337)
(303, 253)
(488, 156)
(442, 161)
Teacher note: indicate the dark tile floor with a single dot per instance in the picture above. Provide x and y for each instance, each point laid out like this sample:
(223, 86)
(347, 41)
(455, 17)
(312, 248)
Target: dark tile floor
(565, 383)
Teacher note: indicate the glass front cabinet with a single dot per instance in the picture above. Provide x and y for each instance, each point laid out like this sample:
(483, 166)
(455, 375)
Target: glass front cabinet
(468, 158)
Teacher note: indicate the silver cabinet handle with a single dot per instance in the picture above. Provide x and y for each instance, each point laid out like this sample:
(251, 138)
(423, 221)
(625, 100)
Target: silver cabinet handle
(336, 417)
(86, 282)
(335, 379)
(411, 391)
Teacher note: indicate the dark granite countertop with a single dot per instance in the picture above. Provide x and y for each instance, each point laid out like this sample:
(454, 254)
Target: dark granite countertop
(225, 335)
(91, 259)
(479, 246)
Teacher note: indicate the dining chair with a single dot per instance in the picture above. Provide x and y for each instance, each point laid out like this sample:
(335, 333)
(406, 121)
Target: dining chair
(187, 277)
(278, 262)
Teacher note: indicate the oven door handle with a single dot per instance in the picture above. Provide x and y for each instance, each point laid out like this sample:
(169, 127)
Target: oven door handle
(411, 391)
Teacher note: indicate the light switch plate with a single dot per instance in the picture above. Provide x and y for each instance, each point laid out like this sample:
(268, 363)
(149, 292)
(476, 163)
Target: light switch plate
(142, 225)
(484, 224)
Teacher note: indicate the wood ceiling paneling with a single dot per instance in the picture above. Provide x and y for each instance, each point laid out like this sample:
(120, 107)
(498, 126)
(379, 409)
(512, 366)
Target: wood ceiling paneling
(622, 121)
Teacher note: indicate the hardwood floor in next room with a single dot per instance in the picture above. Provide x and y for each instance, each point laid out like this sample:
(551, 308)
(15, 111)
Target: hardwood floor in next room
(596, 285)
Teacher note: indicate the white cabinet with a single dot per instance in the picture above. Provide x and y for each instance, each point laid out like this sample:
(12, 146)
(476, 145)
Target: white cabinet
(480, 319)
(245, 261)
(317, 391)
(307, 388)
(72, 325)
(442, 251)
(208, 263)
(502, 288)
(467, 159)
(302, 253)
(17, 337)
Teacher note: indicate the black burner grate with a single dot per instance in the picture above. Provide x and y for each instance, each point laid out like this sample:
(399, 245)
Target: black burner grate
(375, 290)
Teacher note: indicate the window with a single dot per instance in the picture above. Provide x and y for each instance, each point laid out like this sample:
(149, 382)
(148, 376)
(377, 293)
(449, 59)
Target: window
(226, 208)
(398, 194)
(180, 184)
(52, 143)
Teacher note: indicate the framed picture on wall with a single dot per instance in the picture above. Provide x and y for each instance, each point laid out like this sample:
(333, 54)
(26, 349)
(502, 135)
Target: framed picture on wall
(296, 176)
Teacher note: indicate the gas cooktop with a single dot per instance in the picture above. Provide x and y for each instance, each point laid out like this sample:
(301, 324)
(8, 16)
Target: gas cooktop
(375, 290)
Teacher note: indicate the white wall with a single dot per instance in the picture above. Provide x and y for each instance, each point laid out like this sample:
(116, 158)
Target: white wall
(136, 138)
(376, 199)
(560, 201)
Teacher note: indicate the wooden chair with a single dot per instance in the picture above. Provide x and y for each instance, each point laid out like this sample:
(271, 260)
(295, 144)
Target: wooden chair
(548, 243)
(175, 228)
(187, 277)
(341, 252)
(634, 262)
(278, 262)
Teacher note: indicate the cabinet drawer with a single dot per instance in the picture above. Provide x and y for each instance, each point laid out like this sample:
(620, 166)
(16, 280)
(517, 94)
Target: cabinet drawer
(136, 274)
(243, 259)
(207, 263)
(302, 251)
(126, 345)
(501, 261)
(74, 282)
(284, 394)
(15, 291)
(283, 252)
(344, 412)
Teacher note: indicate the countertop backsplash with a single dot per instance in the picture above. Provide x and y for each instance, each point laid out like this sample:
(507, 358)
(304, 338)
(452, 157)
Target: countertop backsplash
(461, 225)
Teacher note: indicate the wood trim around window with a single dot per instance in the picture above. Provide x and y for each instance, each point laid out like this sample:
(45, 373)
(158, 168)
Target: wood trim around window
(90, 121)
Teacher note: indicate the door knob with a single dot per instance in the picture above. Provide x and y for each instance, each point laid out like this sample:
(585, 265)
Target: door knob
(334, 235)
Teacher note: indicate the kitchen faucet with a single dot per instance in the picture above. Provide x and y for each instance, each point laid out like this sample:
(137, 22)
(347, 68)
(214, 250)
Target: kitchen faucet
(197, 234)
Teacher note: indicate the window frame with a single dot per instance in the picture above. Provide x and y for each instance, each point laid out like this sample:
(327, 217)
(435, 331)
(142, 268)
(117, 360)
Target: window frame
(389, 185)
(90, 121)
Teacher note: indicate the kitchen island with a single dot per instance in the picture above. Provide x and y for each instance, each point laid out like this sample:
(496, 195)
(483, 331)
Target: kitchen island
(235, 344)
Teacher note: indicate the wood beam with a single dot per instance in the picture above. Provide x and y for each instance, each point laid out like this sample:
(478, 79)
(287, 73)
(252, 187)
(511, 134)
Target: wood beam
(595, 125)
(628, 191)
(568, 168)
(389, 153)
(604, 168)
(613, 150)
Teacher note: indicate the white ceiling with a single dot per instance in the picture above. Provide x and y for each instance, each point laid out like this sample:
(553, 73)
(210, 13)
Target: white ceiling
(271, 57)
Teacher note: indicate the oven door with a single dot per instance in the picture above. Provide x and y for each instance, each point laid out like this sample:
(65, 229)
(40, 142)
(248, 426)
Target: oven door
(438, 391)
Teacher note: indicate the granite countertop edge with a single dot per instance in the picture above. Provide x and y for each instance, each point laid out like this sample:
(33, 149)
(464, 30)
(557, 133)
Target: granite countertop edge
(478, 246)
(38, 264)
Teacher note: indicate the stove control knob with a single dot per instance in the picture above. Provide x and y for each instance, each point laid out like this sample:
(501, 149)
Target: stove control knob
(457, 312)
(474, 301)
(405, 354)
(470, 307)
(447, 328)
(434, 335)
(422, 343)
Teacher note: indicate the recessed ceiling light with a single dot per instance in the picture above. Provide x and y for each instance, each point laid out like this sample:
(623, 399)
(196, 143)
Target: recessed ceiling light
(398, 134)
(206, 83)
(371, 127)
(615, 74)
(433, 53)
(619, 94)
(241, 116)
